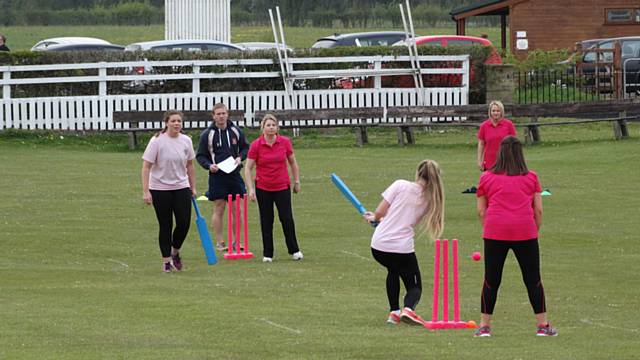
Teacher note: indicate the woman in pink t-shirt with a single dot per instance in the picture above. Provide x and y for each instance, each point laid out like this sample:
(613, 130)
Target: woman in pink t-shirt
(269, 154)
(168, 182)
(491, 133)
(404, 205)
(510, 209)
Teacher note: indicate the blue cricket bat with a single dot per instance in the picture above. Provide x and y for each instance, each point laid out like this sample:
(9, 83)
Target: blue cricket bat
(344, 189)
(205, 238)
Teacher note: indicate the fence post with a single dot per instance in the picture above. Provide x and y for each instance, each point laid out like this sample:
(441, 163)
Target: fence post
(620, 130)
(500, 83)
(377, 81)
(6, 89)
(532, 132)
(102, 73)
(196, 81)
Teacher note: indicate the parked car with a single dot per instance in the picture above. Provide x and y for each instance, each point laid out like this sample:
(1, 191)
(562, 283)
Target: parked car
(629, 59)
(253, 46)
(83, 47)
(141, 86)
(432, 80)
(183, 45)
(457, 40)
(43, 44)
(374, 38)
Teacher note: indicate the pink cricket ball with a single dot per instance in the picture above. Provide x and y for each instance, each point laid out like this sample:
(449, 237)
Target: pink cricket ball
(476, 256)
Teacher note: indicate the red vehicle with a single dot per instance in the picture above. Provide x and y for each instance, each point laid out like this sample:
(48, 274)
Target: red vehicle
(457, 40)
(448, 80)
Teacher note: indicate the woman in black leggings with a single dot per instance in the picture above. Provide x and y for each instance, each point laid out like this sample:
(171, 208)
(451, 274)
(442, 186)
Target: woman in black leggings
(168, 182)
(510, 209)
(404, 205)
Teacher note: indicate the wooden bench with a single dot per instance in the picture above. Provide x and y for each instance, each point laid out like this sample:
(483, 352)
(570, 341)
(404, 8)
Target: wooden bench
(327, 118)
(201, 119)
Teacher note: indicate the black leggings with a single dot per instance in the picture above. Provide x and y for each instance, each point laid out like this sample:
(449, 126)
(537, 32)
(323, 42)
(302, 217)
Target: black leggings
(282, 200)
(528, 256)
(170, 203)
(405, 267)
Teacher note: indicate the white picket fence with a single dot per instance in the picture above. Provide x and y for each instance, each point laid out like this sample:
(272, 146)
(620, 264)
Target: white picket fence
(95, 112)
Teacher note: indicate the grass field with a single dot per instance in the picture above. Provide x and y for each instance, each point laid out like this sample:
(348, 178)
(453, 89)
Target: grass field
(24, 37)
(80, 268)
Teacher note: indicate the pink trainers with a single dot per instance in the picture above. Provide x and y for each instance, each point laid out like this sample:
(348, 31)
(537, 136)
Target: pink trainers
(393, 318)
(546, 330)
(483, 331)
(410, 317)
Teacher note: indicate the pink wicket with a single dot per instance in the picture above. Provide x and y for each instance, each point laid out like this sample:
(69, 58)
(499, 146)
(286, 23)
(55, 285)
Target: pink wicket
(443, 257)
(234, 252)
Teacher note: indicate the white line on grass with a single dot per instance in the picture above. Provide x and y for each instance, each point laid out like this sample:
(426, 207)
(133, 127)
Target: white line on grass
(356, 255)
(280, 326)
(118, 262)
(587, 321)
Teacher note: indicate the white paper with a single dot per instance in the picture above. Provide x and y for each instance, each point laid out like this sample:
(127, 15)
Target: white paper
(228, 165)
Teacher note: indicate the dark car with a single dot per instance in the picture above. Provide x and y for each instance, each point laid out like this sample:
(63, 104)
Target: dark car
(84, 47)
(374, 38)
(629, 59)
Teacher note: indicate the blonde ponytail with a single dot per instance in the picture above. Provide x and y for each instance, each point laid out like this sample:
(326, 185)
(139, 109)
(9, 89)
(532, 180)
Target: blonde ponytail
(428, 175)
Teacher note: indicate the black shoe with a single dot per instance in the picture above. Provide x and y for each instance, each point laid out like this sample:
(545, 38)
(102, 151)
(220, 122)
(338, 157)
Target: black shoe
(471, 190)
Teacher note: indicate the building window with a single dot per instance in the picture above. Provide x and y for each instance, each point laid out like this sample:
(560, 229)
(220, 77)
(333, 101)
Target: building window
(622, 16)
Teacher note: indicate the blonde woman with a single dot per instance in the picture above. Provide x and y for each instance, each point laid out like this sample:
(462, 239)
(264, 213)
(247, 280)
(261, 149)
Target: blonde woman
(168, 182)
(269, 155)
(404, 205)
(491, 133)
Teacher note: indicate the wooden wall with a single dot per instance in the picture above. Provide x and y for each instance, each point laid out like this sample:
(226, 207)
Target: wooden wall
(558, 24)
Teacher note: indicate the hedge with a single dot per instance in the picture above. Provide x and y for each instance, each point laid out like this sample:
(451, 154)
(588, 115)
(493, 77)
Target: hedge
(478, 55)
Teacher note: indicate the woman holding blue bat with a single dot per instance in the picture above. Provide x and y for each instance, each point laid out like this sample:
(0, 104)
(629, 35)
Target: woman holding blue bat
(168, 182)
(404, 205)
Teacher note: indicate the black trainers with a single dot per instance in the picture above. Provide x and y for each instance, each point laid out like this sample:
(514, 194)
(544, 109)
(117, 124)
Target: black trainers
(166, 267)
(471, 190)
(546, 330)
(177, 262)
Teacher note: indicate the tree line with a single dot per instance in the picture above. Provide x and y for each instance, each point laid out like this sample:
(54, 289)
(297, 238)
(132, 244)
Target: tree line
(326, 13)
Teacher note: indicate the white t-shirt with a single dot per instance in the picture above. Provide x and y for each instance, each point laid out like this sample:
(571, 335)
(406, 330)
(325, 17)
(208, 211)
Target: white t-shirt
(395, 232)
(169, 156)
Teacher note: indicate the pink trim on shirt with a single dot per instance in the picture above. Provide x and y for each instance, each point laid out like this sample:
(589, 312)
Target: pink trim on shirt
(509, 214)
(271, 163)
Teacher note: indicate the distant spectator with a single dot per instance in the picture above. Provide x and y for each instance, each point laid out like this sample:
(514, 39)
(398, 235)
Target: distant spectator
(3, 45)
(491, 133)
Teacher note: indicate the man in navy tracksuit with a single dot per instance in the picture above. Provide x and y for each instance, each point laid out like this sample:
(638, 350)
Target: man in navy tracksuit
(222, 140)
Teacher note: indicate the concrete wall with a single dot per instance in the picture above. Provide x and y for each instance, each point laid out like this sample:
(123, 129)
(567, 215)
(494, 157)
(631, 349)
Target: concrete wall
(198, 19)
(501, 83)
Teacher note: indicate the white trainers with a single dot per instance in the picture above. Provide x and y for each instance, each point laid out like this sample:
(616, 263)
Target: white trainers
(297, 256)
(394, 318)
(267, 259)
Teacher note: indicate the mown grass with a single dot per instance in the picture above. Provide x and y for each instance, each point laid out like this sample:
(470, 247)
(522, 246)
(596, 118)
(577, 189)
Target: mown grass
(24, 37)
(80, 269)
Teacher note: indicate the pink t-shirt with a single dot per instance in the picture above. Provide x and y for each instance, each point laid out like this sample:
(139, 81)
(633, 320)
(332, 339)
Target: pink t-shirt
(169, 157)
(407, 207)
(492, 136)
(509, 214)
(271, 163)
